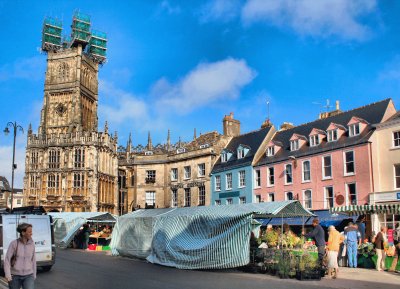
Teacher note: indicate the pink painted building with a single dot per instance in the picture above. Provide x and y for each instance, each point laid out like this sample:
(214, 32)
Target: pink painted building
(323, 163)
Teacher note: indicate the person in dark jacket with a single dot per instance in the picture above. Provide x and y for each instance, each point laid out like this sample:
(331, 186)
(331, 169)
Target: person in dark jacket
(85, 235)
(361, 227)
(318, 235)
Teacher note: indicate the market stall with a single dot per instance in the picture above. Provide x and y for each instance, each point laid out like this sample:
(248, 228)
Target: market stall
(212, 237)
(283, 253)
(101, 231)
(66, 225)
(366, 252)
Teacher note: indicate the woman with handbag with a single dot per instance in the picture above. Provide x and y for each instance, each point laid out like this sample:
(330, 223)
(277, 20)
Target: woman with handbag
(20, 260)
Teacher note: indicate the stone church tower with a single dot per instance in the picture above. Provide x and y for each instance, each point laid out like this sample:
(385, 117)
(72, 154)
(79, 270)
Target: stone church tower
(70, 166)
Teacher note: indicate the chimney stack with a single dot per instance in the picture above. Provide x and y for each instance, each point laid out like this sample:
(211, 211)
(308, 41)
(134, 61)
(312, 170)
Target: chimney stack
(286, 125)
(231, 126)
(331, 113)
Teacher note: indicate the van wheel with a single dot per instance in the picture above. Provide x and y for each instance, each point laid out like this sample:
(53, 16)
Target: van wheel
(46, 268)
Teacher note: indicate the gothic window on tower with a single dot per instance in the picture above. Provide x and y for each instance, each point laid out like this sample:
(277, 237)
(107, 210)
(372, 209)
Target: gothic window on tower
(54, 159)
(79, 160)
(79, 180)
(34, 182)
(63, 72)
(34, 160)
(53, 181)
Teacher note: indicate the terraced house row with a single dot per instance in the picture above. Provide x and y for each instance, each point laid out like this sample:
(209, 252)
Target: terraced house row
(341, 158)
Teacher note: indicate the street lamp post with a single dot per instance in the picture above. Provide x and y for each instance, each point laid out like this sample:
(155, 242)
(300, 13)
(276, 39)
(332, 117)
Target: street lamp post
(15, 127)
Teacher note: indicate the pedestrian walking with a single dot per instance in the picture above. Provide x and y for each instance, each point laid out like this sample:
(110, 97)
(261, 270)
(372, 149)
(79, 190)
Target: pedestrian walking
(334, 241)
(352, 239)
(380, 240)
(319, 236)
(20, 260)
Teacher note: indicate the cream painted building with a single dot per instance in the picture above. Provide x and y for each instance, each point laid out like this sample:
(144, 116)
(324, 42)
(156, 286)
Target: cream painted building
(386, 170)
(171, 175)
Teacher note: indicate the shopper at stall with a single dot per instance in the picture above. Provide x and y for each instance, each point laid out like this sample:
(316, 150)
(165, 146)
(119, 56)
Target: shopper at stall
(396, 239)
(352, 239)
(20, 260)
(361, 227)
(334, 241)
(380, 240)
(85, 236)
(319, 236)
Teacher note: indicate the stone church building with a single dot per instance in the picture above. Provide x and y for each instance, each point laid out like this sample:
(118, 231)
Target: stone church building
(70, 166)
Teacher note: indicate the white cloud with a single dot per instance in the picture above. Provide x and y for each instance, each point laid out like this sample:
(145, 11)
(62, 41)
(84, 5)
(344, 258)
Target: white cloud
(6, 161)
(121, 105)
(32, 68)
(225, 10)
(206, 84)
(313, 17)
(166, 6)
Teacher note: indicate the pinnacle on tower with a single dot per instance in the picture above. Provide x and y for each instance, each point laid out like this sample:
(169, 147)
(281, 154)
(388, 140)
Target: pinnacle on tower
(169, 140)
(195, 134)
(30, 129)
(149, 144)
(106, 127)
(129, 144)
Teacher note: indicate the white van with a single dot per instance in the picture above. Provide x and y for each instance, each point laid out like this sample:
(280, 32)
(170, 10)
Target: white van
(42, 229)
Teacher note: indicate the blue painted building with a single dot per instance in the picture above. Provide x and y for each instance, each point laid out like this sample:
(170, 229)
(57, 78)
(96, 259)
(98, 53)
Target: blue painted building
(232, 177)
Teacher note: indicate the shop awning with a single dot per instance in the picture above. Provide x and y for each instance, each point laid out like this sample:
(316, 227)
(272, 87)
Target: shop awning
(325, 217)
(367, 209)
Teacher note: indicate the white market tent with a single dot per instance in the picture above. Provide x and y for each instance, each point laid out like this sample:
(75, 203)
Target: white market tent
(66, 225)
(212, 237)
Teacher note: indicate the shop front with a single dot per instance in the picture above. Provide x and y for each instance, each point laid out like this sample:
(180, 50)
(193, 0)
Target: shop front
(381, 214)
(386, 218)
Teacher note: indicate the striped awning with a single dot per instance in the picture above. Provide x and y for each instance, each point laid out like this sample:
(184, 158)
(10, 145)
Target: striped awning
(367, 209)
(206, 237)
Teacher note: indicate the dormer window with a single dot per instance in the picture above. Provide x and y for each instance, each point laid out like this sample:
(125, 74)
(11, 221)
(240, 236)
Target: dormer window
(148, 153)
(224, 158)
(314, 140)
(294, 145)
(354, 129)
(180, 150)
(240, 153)
(332, 135)
(270, 151)
(203, 146)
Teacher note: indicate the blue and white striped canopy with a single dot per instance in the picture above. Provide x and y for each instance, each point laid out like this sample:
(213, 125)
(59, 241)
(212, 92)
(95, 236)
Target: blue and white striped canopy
(212, 237)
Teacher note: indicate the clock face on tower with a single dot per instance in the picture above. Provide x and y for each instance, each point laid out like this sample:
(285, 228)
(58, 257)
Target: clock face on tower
(60, 109)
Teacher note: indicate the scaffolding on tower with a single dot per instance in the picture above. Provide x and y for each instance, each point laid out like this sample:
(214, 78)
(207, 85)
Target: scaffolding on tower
(51, 34)
(98, 46)
(80, 29)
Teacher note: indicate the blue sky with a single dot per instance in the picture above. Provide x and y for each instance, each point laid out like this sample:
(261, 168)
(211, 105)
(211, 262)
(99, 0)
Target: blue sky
(182, 65)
